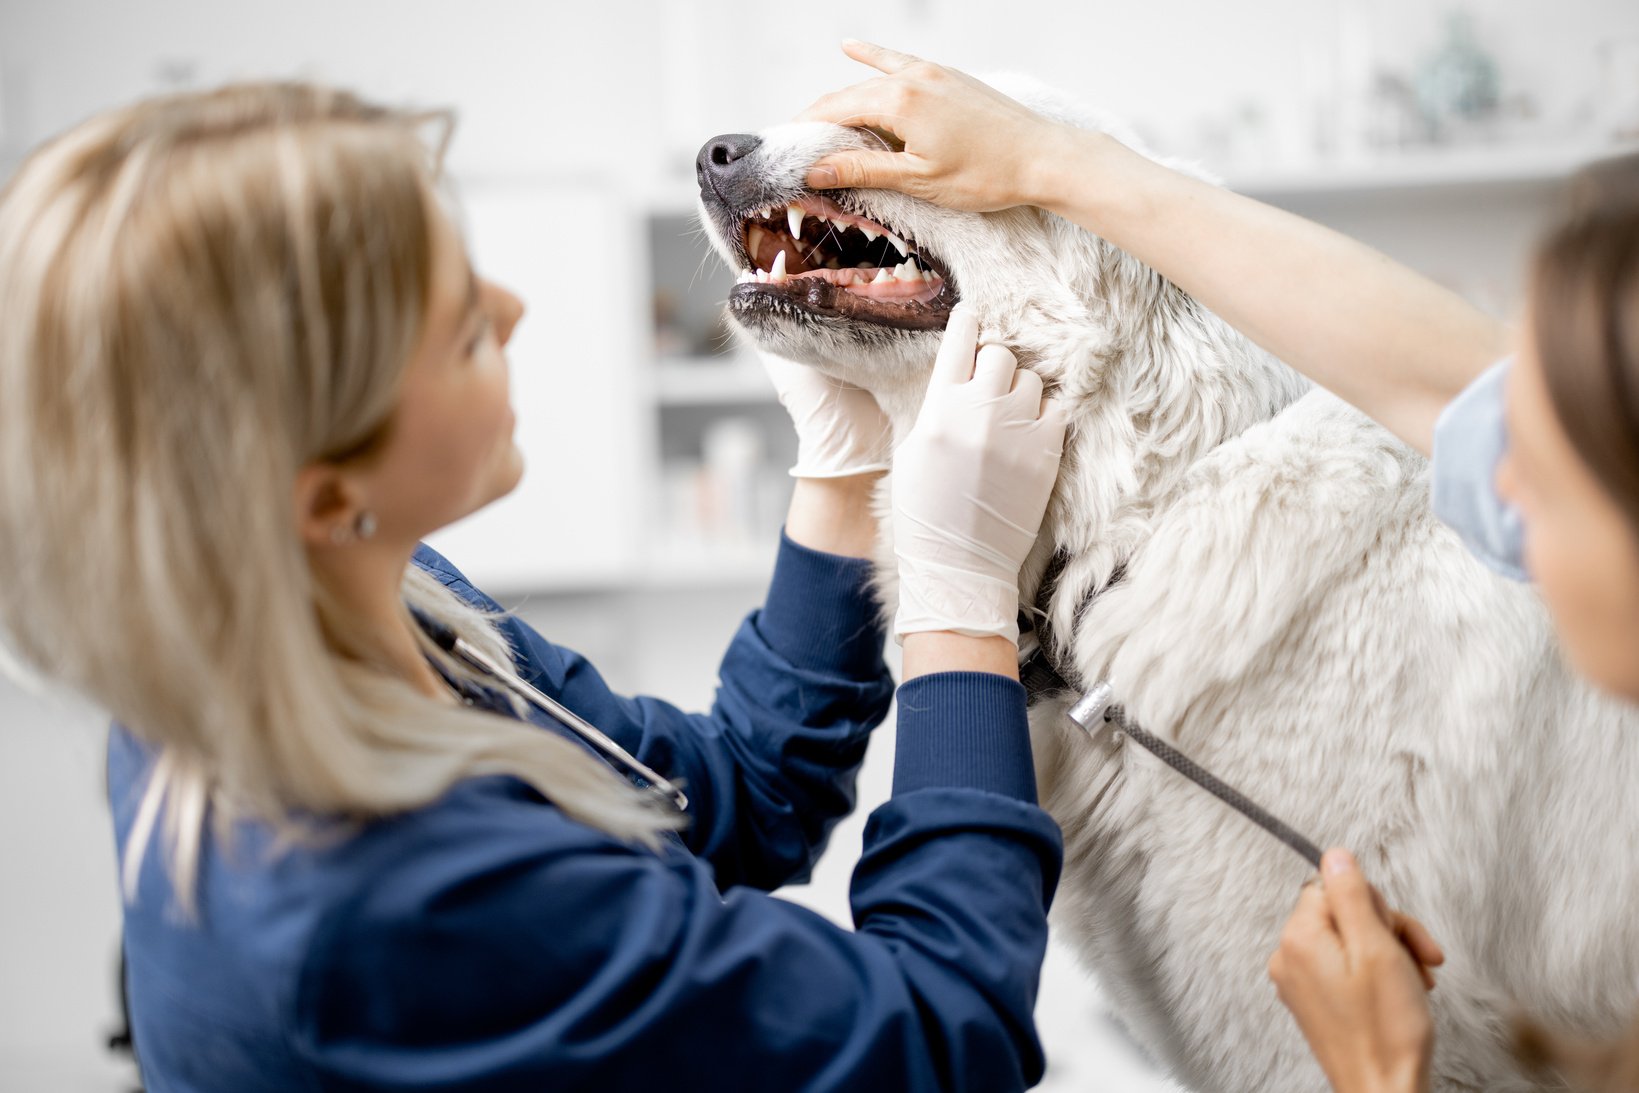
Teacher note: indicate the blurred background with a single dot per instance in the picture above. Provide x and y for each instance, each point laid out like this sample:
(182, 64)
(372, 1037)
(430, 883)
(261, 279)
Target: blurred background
(1437, 132)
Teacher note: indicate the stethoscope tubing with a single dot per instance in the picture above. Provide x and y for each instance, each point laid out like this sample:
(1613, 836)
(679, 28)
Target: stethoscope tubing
(612, 753)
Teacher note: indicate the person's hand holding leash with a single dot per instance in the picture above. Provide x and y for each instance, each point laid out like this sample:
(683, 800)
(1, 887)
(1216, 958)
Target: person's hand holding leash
(1355, 975)
(965, 145)
(841, 431)
(970, 487)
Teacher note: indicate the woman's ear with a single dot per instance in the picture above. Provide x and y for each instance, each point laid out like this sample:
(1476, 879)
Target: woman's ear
(327, 505)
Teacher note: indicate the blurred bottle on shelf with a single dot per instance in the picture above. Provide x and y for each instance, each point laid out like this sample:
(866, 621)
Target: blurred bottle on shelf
(732, 448)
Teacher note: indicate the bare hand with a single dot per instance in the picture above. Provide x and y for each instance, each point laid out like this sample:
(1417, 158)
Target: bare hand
(962, 144)
(1355, 976)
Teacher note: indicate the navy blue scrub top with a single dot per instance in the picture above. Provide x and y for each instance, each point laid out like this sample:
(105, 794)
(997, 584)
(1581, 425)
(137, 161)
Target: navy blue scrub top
(488, 942)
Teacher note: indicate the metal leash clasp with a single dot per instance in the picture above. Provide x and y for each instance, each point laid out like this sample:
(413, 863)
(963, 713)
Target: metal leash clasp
(1093, 708)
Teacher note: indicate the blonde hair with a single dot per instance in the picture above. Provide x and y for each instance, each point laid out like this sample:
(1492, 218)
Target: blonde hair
(202, 293)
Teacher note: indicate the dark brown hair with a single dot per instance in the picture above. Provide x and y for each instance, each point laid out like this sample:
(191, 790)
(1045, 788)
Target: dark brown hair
(1584, 311)
(1585, 314)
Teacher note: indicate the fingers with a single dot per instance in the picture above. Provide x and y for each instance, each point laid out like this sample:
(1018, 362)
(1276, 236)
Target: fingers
(1419, 940)
(1351, 900)
(954, 364)
(1027, 387)
(1425, 951)
(863, 170)
(1055, 412)
(1365, 922)
(858, 105)
(878, 57)
(993, 370)
(1309, 939)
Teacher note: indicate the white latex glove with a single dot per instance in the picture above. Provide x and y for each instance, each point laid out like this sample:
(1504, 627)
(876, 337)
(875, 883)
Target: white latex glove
(840, 428)
(970, 486)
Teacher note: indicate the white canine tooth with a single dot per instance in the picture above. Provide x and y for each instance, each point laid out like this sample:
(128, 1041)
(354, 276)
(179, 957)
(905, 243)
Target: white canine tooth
(867, 231)
(882, 275)
(899, 244)
(793, 216)
(754, 242)
(906, 271)
(778, 272)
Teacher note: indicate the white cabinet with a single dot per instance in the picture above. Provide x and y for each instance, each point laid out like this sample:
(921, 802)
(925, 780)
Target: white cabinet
(577, 518)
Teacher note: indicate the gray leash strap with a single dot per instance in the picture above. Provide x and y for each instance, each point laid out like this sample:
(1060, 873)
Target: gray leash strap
(1097, 707)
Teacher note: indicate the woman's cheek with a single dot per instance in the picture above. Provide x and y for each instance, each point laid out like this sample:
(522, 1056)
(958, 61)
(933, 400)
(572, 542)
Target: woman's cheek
(1592, 613)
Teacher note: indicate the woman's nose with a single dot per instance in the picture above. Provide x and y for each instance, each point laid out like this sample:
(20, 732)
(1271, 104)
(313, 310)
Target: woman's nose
(508, 309)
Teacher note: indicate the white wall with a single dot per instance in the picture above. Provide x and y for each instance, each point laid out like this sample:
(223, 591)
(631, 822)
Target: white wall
(572, 119)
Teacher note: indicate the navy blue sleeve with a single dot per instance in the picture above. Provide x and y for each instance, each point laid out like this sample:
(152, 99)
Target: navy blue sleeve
(770, 769)
(500, 946)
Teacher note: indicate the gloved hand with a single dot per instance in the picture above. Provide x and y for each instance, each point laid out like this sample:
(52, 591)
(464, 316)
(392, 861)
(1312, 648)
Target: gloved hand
(840, 428)
(970, 487)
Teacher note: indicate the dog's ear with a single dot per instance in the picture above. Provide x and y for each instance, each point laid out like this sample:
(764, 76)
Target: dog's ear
(1594, 1066)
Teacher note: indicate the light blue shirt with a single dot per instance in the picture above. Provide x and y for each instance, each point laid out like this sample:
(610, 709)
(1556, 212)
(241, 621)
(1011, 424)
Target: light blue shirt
(1469, 440)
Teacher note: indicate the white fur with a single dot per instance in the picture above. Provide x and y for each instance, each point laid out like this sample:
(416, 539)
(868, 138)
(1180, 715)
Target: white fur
(1292, 615)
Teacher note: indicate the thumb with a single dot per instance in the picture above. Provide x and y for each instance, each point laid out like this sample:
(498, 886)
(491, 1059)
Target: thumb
(1350, 899)
(861, 169)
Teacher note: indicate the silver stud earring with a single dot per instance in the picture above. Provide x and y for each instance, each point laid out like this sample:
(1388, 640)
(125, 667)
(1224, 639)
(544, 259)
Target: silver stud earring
(365, 525)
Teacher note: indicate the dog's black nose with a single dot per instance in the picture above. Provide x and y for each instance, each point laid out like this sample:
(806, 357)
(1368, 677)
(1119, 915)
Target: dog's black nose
(720, 167)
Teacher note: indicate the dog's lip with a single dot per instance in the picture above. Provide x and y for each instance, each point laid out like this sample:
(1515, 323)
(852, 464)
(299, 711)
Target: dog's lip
(818, 297)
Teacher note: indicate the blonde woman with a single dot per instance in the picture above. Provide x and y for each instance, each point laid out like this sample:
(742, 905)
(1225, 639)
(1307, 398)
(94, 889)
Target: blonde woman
(245, 366)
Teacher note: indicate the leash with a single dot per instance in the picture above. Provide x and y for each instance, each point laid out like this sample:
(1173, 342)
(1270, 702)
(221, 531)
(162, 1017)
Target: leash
(1041, 675)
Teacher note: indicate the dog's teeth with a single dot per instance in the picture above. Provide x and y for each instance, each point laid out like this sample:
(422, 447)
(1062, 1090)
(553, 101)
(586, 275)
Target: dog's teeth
(927, 275)
(777, 273)
(906, 271)
(883, 274)
(899, 244)
(832, 263)
(865, 265)
(754, 242)
(868, 232)
(746, 275)
(822, 218)
(793, 216)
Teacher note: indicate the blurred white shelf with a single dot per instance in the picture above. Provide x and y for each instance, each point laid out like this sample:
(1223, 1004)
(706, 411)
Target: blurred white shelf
(696, 381)
(708, 565)
(1434, 169)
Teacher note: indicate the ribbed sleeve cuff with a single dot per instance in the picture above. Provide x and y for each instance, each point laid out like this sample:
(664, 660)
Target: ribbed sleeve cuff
(965, 730)
(820, 613)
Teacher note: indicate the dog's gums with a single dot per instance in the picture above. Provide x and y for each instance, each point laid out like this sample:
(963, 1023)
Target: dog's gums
(812, 255)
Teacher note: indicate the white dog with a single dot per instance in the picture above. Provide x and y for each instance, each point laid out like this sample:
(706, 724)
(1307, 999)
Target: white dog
(1253, 565)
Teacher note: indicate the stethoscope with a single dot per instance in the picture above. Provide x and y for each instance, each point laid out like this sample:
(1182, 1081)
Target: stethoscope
(615, 755)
